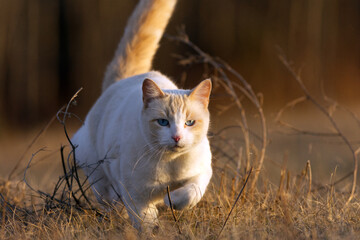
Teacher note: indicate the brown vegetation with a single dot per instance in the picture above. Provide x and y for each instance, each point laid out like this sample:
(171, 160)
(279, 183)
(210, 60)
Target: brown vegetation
(297, 207)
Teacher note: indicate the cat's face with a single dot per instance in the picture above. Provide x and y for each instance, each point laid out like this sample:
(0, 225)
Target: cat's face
(175, 120)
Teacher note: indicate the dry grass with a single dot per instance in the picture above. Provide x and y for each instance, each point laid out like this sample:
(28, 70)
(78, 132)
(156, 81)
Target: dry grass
(287, 211)
(294, 208)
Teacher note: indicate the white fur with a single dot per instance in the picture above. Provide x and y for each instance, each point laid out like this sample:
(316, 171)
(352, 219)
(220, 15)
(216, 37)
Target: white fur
(115, 130)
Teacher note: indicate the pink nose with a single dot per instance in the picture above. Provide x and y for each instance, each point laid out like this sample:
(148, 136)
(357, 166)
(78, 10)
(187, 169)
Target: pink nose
(176, 138)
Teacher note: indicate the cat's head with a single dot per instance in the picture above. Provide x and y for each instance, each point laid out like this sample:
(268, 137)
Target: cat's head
(175, 120)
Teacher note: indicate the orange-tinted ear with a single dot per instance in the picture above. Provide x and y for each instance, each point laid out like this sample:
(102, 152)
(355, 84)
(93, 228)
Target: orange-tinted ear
(201, 92)
(151, 91)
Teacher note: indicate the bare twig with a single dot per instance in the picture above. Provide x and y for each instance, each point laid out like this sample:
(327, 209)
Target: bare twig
(67, 177)
(28, 166)
(308, 170)
(74, 171)
(233, 206)
(328, 114)
(292, 104)
(172, 209)
(68, 185)
(336, 105)
(30, 145)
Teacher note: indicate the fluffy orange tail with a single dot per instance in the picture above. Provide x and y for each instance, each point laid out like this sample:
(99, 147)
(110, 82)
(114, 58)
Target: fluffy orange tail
(140, 40)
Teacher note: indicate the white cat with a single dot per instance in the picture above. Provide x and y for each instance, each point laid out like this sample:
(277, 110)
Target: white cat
(149, 133)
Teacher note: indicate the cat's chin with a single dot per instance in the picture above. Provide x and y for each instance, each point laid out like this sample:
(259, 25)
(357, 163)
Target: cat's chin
(176, 149)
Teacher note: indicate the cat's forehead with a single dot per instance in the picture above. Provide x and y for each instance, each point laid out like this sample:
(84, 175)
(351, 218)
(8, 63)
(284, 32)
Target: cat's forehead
(175, 103)
(176, 99)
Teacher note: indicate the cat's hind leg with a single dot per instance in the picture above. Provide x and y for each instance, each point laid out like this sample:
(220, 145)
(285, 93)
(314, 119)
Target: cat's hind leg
(102, 188)
(93, 166)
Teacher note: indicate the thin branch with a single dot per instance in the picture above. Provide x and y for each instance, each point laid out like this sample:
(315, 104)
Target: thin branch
(66, 176)
(172, 209)
(30, 145)
(322, 109)
(292, 104)
(233, 206)
(28, 166)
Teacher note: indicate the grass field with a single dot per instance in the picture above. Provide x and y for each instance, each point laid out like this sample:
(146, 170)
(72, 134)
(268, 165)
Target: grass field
(302, 185)
(294, 209)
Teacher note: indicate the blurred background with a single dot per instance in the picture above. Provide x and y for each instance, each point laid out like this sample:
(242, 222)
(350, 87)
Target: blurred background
(51, 48)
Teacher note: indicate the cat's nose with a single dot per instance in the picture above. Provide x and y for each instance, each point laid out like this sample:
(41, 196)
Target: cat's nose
(176, 138)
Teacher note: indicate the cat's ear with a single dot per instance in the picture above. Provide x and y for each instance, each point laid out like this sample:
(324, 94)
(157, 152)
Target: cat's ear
(201, 92)
(151, 91)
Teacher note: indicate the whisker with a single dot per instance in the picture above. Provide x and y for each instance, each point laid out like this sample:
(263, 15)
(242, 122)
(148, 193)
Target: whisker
(153, 149)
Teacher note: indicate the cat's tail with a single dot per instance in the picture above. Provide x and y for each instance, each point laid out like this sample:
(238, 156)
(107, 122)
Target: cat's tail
(140, 40)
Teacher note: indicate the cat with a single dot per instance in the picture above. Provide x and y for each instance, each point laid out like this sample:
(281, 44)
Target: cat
(144, 134)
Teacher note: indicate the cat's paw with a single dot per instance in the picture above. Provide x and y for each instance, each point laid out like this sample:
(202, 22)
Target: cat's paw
(144, 217)
(184, 197)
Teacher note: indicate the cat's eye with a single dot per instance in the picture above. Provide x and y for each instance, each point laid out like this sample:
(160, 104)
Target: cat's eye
(190, 122)
(163, 122)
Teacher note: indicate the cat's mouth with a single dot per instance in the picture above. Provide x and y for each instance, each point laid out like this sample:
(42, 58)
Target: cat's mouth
(176, 148)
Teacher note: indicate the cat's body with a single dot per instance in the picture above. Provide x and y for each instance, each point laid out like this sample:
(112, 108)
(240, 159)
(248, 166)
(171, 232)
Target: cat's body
(144, 134)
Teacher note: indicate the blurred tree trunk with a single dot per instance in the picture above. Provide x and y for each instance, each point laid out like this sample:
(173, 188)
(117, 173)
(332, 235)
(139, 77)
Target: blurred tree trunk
(49, 58)
(314, 39)
(16, 79)
(32, 71)
(3, 55)
(28, 50)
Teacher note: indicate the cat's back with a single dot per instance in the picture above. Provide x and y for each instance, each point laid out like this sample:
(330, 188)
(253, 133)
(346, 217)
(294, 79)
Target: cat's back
(129, 90)
(133, 84)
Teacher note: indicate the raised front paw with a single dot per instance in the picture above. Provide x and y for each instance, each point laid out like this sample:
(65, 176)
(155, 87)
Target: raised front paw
(184, 197)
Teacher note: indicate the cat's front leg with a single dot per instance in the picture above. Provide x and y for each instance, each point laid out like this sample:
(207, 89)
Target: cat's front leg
(143, 216)
(184, 197)
(190, 194)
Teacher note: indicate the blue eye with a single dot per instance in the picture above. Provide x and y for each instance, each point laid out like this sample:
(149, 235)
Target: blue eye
(163, 122)
(190, 122)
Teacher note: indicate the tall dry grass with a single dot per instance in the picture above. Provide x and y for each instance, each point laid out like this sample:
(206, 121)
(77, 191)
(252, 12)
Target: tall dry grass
(285, 211)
